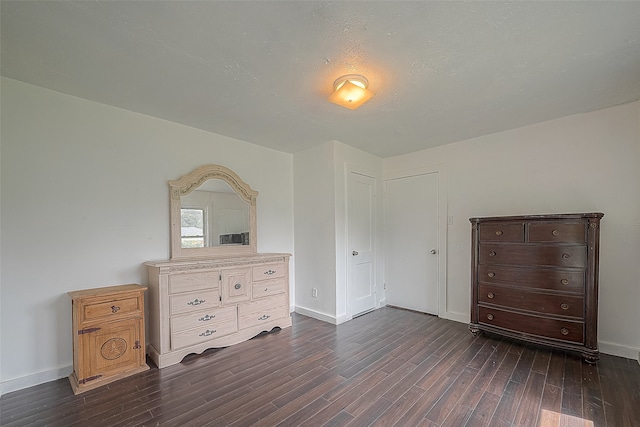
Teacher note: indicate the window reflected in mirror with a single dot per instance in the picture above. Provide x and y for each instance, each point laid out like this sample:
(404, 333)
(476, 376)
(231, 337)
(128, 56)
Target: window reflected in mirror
(192, 229)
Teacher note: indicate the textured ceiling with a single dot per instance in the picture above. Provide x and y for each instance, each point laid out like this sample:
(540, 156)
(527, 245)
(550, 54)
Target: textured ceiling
(261, 71)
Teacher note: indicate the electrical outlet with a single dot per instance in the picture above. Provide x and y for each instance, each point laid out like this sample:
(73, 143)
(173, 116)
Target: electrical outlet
(314, 292)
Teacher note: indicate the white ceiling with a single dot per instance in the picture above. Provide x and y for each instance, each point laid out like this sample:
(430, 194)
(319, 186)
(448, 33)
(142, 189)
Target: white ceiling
(261, 71)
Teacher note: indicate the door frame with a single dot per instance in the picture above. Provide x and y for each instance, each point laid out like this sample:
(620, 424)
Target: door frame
(441, 172)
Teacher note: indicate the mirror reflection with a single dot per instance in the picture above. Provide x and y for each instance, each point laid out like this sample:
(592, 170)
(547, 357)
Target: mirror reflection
(213, 215)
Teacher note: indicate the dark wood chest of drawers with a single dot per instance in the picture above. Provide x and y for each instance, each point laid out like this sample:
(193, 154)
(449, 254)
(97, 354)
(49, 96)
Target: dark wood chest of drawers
(535, 278)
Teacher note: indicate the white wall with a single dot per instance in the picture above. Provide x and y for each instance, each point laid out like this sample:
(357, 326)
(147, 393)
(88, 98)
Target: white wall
(314, 207)
(320, 187)
(85, 201)
(582, 163)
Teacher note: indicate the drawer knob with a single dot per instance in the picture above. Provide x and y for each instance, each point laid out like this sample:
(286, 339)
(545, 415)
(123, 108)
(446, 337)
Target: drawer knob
(490, 316)
(564, 306)
(499, 233)
(237, 286)
(564, 281)
(564, 331)
(264, 317)
(490, 295)
(492, 253)
(491, 274)
(196, 302)
(555, 232)
(207, 333)
(566, 256)
(115, 309)
(269, 272)
(207, 318)
(266, 289)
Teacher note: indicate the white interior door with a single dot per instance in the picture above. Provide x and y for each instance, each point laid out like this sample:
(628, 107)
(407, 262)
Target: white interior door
(361, 194)
(411, 242)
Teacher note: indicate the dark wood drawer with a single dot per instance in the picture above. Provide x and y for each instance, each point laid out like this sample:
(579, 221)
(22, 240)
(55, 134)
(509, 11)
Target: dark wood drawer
(540, 255)
(556, 232)
(551, 278)
(517, 298)
(565, 330)
(502, 232)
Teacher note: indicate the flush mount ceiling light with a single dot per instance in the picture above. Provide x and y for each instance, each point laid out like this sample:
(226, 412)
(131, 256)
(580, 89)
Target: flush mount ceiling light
(350, 91)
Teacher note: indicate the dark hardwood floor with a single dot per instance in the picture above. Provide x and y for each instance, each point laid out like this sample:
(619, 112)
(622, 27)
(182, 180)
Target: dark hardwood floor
(388, 367)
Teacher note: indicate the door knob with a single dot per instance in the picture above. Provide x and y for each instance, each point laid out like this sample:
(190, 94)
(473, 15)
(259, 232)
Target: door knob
(433, 251)
(354, 253)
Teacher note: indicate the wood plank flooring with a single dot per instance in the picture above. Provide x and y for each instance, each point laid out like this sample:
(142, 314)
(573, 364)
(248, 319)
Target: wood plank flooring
(389, 367)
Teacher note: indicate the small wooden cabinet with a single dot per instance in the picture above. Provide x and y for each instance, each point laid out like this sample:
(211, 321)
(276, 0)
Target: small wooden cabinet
(108, 335)
(535, 278)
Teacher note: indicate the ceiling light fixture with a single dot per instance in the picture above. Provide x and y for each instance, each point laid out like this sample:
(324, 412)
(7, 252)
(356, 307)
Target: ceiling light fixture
(351, 91)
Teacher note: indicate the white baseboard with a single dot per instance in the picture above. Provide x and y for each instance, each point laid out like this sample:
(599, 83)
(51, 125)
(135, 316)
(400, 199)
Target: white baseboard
(34, 379)
(457, 317)
(316, 315)
(619, 350)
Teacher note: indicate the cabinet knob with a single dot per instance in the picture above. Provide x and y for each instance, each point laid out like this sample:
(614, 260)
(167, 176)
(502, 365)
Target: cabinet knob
(490, 316)
(564, 306)
(207, 333)
(115, 309)
(264, 317)
(196, 302)
(490, 295)
(499, 233)
(566, 256)
(492, 253)
(564, 331)
(237, 286)
(207, 317)
(564, 281)
(555, 232)
(354, 253)
(491, 274)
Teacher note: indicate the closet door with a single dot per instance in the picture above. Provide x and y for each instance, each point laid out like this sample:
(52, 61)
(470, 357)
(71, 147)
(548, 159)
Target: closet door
(411, 242)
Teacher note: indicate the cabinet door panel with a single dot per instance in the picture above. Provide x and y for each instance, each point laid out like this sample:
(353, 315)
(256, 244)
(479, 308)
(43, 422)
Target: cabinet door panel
(236, 285)
(113, 348)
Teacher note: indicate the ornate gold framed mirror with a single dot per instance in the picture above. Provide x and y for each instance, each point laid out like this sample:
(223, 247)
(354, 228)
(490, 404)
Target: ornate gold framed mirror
(213, 213)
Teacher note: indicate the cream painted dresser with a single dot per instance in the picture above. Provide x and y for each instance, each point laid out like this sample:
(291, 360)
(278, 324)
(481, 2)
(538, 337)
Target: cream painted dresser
(201, 303)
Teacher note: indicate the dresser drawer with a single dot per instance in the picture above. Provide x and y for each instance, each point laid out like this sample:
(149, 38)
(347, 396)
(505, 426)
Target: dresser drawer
(541, 255)
(204, 333)
(556, 232)
(193, 301)
(268, 271)
(502, 232)
(267, 288)
(261, 311)
(186, 282)
(565, 330)
(562, 305)
(203, 318)
(112, 308)
(549, 278)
